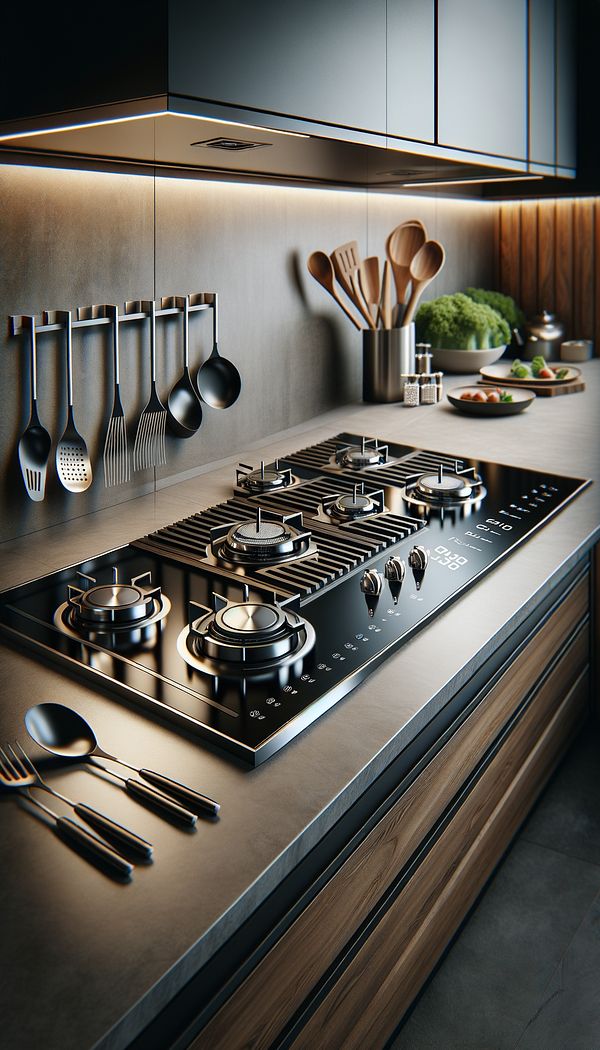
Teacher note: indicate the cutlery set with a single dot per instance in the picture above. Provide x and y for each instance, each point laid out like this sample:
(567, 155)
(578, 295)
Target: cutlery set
(411, 261)
(64, 733)
(218, 384)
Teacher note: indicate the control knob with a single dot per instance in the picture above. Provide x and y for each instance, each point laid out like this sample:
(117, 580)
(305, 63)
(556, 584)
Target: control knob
(371, 585)
(395, 571)
(418, 559)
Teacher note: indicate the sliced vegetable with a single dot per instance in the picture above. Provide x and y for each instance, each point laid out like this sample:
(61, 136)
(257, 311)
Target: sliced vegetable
(520, 370)
(537, 364)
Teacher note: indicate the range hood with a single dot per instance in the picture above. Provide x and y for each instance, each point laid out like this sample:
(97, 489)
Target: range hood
(106, 91)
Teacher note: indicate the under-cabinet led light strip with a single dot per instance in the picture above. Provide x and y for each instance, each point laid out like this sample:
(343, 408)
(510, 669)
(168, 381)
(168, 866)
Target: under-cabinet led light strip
(467, 182)
(147, 116)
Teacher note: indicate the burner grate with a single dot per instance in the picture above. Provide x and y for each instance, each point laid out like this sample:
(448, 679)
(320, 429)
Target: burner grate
(340, 549)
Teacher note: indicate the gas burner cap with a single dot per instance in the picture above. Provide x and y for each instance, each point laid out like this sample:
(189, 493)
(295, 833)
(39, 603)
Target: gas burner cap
(260, 534)
(114, 603)
(121, 614)
(261, 541)
(443, 486)
(351, 506)
(357, 458)
(263, 479)
(245, 638)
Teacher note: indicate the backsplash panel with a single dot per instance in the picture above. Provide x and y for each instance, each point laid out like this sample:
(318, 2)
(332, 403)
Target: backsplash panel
(72, 238)
(548, 256)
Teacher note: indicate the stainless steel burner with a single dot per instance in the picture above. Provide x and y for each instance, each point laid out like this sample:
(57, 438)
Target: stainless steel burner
(358, 457)
(244, 638)
(119, 615)
(445, 488)
(255, 482)
(261, 541)
(351, 506)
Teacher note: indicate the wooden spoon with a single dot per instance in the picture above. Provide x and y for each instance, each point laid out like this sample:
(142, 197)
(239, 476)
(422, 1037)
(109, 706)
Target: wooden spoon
(401, 246)
(426, 265)
(321, 268)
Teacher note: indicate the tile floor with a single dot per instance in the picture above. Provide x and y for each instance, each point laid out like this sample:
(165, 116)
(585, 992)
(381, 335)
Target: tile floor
(524, 970)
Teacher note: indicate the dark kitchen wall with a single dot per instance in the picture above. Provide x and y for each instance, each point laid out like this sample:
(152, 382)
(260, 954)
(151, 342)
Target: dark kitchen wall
(75, 238)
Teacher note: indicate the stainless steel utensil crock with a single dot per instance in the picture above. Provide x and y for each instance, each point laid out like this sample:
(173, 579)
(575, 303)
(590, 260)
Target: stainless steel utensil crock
(388, 354)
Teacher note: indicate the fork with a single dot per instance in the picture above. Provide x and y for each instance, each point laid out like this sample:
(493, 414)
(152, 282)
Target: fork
(116, 452)
(108, 828)
(149, 446)
(14, 776)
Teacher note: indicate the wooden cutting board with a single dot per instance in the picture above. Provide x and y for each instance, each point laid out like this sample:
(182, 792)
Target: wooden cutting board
(574, 387)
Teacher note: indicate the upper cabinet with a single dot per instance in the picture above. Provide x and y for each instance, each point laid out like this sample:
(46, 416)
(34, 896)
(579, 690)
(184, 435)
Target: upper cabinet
(482, 76)
(542, 83)
(411, 69)
(318, 61)
(566, 145)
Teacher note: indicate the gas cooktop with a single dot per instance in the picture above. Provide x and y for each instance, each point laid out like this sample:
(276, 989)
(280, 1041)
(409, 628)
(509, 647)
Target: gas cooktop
(248, 620)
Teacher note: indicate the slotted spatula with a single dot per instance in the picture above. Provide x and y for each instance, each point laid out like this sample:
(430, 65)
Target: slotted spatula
(73, 464)
(35, 444)
(149, 447)
(346, 264)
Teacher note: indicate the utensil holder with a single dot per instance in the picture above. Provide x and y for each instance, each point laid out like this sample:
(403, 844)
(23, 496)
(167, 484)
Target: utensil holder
(388, 355)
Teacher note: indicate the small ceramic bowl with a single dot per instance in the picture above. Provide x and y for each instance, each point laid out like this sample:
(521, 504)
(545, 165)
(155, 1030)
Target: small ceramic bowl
(465, 362)
(521, 399)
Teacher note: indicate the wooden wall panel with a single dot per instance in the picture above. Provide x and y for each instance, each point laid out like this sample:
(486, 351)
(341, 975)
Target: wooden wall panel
(546, 283)
(549, 257)
(564, 291)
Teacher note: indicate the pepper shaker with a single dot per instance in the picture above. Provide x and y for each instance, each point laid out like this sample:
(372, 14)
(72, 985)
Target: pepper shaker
(411, 390)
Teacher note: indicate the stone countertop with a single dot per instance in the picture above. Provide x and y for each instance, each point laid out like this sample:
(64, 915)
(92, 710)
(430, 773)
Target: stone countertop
(92, 961)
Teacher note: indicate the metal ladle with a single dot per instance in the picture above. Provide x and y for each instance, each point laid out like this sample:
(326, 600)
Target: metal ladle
(64, 732)
(219, 381)
(184, 408)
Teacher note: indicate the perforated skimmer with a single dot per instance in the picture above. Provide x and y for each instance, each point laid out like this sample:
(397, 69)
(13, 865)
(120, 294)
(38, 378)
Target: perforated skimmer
(73, 464)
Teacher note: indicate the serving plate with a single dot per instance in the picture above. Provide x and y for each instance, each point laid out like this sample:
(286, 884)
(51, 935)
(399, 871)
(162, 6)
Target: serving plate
(501, 374)
(521, 399)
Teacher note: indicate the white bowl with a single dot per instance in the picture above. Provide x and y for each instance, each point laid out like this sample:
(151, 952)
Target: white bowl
(465, 361)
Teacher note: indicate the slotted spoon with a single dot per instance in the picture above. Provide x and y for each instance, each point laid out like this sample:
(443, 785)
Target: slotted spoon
(35, 444)
(149, 446)
(346, 264)
(73, 464)
(116, 451)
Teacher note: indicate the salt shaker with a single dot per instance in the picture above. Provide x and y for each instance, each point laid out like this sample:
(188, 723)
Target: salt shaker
(428, 390)
(411, 390)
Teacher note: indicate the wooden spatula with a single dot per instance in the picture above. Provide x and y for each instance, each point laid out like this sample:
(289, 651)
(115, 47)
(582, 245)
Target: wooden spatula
(369, 283)
(346, 264)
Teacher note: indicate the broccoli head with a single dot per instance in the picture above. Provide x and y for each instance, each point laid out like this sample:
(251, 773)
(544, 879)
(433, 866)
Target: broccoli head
(503, 304)
(456, 322)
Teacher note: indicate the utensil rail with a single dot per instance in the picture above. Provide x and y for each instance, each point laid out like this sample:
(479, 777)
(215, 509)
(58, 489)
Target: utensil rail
(90, 316)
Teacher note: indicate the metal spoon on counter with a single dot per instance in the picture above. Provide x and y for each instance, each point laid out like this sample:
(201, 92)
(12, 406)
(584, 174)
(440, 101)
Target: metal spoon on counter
(184, 407)
(219, 381)
(64, 732)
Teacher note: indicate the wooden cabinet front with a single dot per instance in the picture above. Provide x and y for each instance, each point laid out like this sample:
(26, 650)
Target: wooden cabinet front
(526, 717)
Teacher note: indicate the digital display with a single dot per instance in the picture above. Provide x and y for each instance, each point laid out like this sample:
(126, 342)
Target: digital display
(446, 557)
